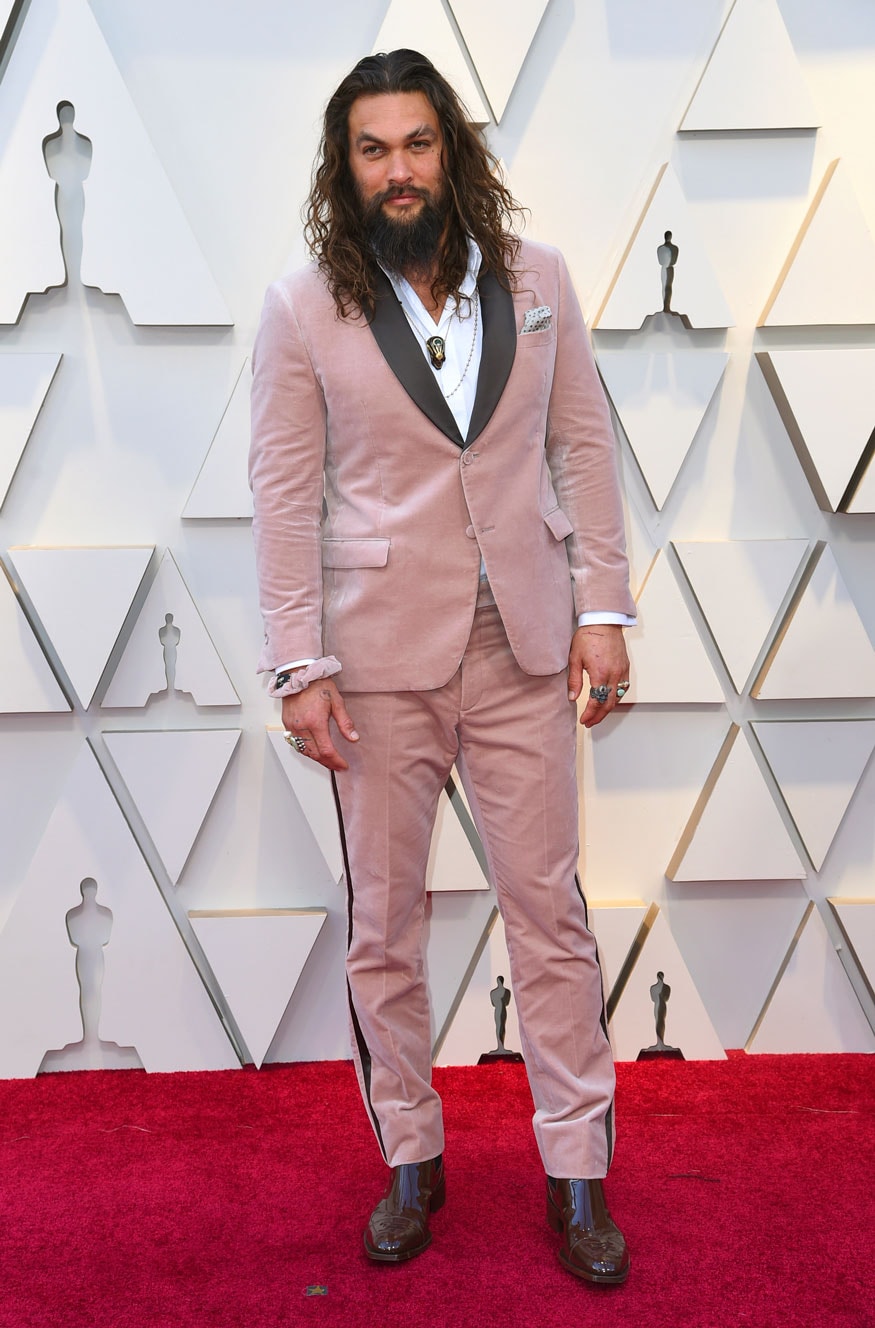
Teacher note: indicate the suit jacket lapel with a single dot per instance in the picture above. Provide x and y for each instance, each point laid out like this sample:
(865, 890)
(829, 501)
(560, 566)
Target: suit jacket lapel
(499, 349)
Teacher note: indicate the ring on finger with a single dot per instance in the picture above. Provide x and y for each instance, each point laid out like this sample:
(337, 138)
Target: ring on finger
(299, 744)
(622, 689)
(600, 694)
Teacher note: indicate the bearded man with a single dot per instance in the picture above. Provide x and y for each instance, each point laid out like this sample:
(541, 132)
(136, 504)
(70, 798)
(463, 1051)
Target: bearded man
(437, 514)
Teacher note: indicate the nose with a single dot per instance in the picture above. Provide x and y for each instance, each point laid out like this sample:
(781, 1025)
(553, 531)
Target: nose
(399, 169)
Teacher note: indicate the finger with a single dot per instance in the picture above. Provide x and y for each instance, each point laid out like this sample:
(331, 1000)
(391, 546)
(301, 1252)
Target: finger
(325, 752)
(343, 719)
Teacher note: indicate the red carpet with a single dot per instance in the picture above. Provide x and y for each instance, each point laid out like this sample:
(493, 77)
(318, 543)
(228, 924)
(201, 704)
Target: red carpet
(746, 1189)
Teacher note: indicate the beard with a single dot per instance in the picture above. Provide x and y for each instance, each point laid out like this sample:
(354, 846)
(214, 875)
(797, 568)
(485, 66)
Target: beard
(406, 244)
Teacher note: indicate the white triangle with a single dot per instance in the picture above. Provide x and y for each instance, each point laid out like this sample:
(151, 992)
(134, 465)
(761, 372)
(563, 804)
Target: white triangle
(452, 862)
(857, 917)
(311, 785)
(829, 275)
(752, 80)
(222, 486)
(473, 1031)
(687, 1024)
(637, 289)
(24, 383)
(829, 393)
(82, 597)
(152, 996)
(27, 684)
(661, 400)
(423, 25)
(813, 1008)
(740, 586)
(864, 495)
(669, 663)
(257, 958)
(498, 34)
(142, 669)
(615, 925)
(817, 765)
(825, 612)
(136, 239)
(735, 832)
(172, 776)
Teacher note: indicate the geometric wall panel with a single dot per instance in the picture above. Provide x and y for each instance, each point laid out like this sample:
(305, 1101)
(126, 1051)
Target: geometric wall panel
(498, 34)
(740, 586)
(423, 25)
(864, 496)
(829, 274)
(615, 925)
(311, 785)
(813, 1007)
(826, 399)
(639, 287)
(82, 597)
(661, 400)
(27, 684)
(801, 665)
(169, 648)
(172, 777)
(473, 1030)
(452, 862)
(735, 832)
(222, 487)
(817, 765)
(273, 944)
(136, 239)
(668, 660)
(857, 918)
(151, 996)
(752, 80)
(24, 384)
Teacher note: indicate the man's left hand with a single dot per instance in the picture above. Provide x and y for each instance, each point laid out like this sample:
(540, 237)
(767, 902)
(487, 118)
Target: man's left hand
(600, 652)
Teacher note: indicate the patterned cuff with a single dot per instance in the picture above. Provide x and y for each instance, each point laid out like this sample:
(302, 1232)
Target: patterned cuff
(301, 678)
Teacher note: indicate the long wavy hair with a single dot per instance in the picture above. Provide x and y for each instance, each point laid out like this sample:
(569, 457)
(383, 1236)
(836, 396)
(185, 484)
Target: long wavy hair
(480, 204)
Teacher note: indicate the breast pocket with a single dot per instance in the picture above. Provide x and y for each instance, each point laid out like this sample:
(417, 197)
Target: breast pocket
(530, 339)
(364, 552)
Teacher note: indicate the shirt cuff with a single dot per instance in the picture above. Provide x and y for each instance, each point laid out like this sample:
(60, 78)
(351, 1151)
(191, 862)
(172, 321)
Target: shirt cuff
(596, 616)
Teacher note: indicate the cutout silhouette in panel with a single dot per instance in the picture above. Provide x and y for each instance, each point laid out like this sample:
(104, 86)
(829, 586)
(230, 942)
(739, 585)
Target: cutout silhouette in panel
(735, 832)
(812, 1006)
(498, 34)
(752, 79)
(686, 1023)
(273, 943)
(172, 776)
(826, 401)
(27, 684)
(823, 650)
(472, 1032)
(311, 785)
(82, 597)
(453, 862)
(661, 400)
(857, 920)
(136, 241)
(151, 996)
(741, 586)
(169, 650)
(669, 663)
(665, 268)
(423, 25)
(25, 380)
(222, 486)
(829, 274)
(817, 764)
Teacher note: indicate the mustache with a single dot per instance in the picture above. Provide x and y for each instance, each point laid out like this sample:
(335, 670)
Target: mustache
(398, 191)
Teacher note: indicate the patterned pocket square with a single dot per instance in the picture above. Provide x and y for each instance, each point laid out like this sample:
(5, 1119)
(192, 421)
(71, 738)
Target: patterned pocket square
(537, 320)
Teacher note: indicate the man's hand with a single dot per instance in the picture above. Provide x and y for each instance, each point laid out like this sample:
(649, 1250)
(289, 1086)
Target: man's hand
(306, 715)
(600, 651)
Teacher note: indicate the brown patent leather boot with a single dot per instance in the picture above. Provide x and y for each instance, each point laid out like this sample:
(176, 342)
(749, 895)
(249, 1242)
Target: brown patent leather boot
(593, 1246)
(398, 1228)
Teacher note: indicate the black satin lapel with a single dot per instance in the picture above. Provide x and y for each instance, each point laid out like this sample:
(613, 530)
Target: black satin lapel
(499, 349)
(404, 357)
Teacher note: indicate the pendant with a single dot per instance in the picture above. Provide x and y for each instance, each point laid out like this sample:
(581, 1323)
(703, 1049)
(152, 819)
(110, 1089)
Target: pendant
(436, 352)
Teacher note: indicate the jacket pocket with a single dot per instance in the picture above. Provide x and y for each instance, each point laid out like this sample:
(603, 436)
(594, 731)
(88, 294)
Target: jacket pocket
(355, 552)
(558, 524)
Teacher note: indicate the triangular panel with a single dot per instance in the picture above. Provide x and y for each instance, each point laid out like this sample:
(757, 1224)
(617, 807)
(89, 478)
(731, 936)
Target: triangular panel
(169, 644)
(615, 925)
(27, 684)
(473, 1029)
(452, 862)
(640, 286)
(817, 764)
(661, 400)
(172, 776)
(735, 832)
(222, 487)
(740, 586)
(752, 80)
(82, 597)
(669, 663)
(423, 25)
(825, 613)
(310, 783)
(498, 34)
(829, 275)
(863, 499)
(24, 384)
(857, 918)
(275, 944)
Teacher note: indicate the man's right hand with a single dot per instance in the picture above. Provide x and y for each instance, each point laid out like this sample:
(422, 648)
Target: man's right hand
(306, 715)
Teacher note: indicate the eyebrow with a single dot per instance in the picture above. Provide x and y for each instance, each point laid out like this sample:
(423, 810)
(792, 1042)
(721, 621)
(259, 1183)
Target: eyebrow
(422, 131)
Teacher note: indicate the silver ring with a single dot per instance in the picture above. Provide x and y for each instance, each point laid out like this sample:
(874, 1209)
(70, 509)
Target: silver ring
(622, 689)
(299, 744)
(600, 694)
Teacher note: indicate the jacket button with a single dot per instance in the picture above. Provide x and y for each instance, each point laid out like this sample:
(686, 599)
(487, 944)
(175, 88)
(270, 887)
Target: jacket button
(471, 533)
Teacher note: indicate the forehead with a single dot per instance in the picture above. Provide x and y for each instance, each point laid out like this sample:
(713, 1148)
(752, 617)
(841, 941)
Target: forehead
(391, 116)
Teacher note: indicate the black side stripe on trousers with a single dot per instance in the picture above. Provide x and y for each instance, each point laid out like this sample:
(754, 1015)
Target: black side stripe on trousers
(362, 1046)
(603, 1020)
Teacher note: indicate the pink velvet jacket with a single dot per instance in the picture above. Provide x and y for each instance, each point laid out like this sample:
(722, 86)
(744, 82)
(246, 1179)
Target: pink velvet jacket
(371, 512)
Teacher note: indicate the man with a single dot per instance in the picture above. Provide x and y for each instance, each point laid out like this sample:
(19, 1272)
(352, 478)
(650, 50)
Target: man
(435, 499)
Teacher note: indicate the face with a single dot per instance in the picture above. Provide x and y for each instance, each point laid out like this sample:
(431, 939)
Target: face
(395, 146)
